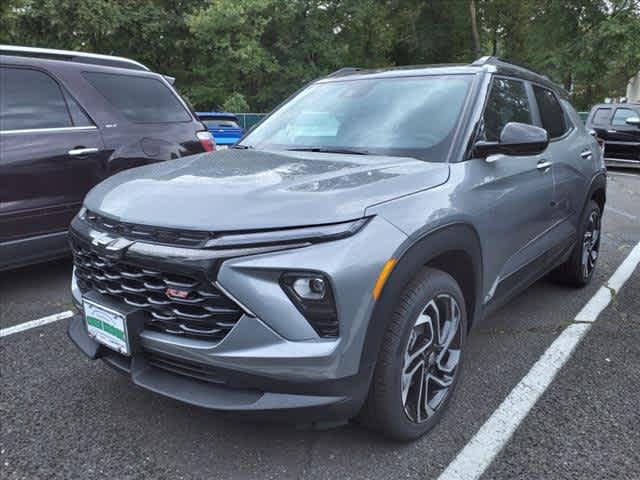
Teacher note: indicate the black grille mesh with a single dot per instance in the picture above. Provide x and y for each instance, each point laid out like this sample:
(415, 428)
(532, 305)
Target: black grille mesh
(204, 312)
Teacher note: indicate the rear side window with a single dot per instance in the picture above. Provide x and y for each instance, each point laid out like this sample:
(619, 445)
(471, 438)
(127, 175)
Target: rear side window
(602, 116)
(620, 118)
(139, 99)
(551, 113)
(507, 102)
(30, 99)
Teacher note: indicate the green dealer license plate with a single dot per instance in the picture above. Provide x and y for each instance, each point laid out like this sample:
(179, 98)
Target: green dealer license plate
(107, 327)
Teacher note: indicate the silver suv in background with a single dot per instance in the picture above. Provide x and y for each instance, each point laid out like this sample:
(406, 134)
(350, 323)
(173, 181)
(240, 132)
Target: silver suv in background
(330, 265)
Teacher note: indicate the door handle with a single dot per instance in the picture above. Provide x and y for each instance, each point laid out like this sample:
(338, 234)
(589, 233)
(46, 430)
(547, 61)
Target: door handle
(586, 154)
(543, 164)
(82, 151)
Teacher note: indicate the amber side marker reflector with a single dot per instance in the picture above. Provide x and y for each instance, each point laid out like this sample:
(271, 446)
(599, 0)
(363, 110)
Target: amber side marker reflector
(382, 278)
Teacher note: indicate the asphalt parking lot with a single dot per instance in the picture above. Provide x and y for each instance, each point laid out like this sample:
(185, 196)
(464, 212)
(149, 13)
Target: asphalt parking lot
(62, 416)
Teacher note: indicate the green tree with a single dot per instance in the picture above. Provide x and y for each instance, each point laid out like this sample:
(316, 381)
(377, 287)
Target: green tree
(235, 103)
(254, 53)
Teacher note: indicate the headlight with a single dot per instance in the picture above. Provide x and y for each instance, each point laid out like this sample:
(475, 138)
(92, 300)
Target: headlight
(311, 293)
(297, 235)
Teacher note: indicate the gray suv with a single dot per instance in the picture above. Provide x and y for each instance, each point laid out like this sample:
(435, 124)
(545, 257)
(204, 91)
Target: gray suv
(330, 265)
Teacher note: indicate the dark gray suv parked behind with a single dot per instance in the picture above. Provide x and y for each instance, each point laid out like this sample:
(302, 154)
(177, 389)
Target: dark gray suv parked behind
(332, 263)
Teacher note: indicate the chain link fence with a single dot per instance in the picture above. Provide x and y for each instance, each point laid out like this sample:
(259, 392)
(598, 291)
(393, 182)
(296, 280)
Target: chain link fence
(248, 120)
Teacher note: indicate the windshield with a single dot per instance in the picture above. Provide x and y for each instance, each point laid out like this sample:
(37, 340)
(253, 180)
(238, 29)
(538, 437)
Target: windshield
(220, 123)
(413, 116)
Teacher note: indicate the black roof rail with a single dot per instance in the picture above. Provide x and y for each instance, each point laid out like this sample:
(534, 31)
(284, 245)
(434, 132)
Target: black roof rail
(492, 60)
(345, 71)
(500, 62)
(483, 61)
(72, 56)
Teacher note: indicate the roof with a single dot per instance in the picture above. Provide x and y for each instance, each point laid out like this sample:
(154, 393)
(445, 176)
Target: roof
(487, 64)
(72, 56)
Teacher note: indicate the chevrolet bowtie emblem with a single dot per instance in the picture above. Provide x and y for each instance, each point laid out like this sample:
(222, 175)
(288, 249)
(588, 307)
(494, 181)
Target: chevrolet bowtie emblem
(111, 244)
(102, 240)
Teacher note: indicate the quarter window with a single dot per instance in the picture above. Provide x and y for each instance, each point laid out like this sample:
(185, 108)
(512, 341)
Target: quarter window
(551, 113)
(30, 99)
(139, 99)
(507, 102)
(620, 118)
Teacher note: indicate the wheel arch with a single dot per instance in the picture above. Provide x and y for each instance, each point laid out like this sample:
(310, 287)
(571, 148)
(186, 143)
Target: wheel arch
(598, 191)
(453, 248)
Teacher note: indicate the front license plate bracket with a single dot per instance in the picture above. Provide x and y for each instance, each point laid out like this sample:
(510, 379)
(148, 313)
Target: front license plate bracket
(133, 320)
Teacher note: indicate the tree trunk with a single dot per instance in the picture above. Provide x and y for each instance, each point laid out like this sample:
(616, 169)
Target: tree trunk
(474, 28)
(495, 42)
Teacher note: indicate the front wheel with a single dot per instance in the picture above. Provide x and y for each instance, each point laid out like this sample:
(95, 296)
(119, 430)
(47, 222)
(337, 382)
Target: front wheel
(419, 361)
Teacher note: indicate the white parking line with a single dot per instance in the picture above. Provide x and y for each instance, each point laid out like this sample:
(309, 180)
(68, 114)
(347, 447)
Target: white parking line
(35, 323)
(486, 444)
(621, 212)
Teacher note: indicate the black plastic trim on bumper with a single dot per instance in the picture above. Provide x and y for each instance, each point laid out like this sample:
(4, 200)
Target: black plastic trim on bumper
(210, 395)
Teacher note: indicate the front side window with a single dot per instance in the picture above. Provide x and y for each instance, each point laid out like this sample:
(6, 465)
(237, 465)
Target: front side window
(551, 113)
(392, 116)
(139, 99)
(30, 99)
(621, 115)
(507, 102)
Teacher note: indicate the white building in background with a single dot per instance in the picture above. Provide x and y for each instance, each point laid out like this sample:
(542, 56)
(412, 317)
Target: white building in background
(633, 89)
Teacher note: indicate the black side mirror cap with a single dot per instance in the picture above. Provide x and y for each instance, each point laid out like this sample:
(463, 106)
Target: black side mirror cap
(515, 139)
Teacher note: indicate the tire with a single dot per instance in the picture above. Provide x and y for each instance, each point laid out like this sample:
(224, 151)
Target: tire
(392, 409)
(574, 271)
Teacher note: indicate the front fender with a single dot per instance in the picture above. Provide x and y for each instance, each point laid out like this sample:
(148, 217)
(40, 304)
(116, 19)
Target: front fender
(412, 256)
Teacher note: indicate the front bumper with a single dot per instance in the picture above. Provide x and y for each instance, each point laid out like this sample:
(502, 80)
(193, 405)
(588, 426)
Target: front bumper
(272, 360)
(214, 394)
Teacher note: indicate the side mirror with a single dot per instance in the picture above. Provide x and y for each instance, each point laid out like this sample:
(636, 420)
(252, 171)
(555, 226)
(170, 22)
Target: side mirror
(515, 139)
(633, 121)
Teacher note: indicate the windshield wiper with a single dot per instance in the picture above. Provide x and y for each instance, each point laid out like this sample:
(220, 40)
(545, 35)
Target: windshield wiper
(239, 146)
(347, 151)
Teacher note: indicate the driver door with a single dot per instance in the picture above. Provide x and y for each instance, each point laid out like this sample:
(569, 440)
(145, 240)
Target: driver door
(517, 193)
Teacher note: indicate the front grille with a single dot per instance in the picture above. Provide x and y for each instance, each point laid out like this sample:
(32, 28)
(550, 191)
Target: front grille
(167, 236)
(204, 312)
(184, 367)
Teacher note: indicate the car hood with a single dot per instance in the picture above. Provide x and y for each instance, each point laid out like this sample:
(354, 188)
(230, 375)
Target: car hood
(249, 189)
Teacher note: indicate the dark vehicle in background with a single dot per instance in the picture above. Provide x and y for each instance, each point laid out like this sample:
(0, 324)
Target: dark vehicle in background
(68, 120)
(225, 127)
(618, 126)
